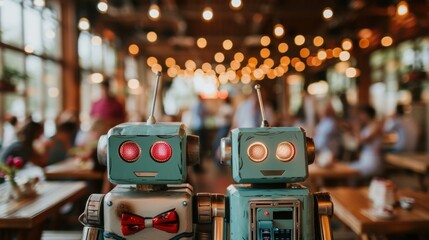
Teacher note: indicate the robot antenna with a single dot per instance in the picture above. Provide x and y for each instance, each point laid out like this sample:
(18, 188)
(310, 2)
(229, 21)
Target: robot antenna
(264, 122)
(151, 119)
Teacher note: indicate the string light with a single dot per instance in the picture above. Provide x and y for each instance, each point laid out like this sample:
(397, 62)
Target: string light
(318, 41)
(344, 56)
(265, 52)
(386, 41)
(207, 13)
(133, 49)
(299, 40)
(219, 57)
(347, 44)
(328, 13)
(236, 4)
(102, 6)
(363, 43)
(283, 47)
(151, 36)
(304, 52)
(402, 8)
(279, 30)
(84, 24)
(265, 41)
(169, 62)
(227, 44)
(154, 12)
(201, 42)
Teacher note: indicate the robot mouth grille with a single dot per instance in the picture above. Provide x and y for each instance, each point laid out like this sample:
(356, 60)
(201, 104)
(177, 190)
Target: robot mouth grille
(272, 172)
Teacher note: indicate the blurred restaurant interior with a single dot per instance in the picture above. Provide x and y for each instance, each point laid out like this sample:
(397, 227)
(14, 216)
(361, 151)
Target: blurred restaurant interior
(354, 74)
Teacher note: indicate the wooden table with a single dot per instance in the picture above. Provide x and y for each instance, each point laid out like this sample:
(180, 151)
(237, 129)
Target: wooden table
(351, 206)
(23, 218)
(415, 162)
(336, 170)
(72, 169)
(318, 176)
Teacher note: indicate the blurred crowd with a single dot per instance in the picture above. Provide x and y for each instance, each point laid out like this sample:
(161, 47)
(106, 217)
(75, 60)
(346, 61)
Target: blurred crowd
(359, 136)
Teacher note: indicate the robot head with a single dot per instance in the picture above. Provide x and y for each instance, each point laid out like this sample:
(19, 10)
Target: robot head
(140, 153)
(268, 155)
(148, 153)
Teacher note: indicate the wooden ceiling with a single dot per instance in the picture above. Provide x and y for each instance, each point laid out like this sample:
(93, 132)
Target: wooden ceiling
(181, 24)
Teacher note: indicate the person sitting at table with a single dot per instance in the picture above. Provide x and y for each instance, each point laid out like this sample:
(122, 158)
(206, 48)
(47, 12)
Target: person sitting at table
(326, 136)
(28, 135)
(368, 134)
(61, 143)
(405, 130)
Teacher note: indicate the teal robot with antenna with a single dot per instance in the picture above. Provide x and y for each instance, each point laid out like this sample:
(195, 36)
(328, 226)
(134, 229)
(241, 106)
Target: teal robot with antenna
(267, 203)
(151, 200)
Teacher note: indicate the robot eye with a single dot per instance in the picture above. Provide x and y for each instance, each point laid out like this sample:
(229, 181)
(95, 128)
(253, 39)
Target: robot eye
(129, 151)
(257, 152)
(285, 151)
(161, 151)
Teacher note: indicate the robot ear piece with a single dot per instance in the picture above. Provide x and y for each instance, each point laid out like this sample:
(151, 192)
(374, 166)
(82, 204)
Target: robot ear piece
(311, 150)
(102, 150)
(225, 151)
(192, 150)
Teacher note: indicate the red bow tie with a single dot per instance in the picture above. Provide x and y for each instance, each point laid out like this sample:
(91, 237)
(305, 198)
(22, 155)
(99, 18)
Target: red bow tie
(167, 221)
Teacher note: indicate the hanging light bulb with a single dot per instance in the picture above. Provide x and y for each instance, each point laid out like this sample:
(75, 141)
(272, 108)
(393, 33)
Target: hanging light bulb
(207, 13)
(84, 24)
(279, 30)
(154, 12)
(102, 6)
(236, 4)
(328, 13)
(402, 8)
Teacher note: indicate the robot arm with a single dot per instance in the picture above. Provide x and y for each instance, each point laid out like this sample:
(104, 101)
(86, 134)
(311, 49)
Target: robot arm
(92, 218)
(209, 210)
(324, 209)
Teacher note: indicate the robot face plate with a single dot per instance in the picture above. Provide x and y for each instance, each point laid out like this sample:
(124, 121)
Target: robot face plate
(147, 158)
(267, 155)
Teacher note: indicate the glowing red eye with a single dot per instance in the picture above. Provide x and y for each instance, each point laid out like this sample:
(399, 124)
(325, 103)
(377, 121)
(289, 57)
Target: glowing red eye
(161, 151)
(129, 151)
(257, 152)
(285, 151)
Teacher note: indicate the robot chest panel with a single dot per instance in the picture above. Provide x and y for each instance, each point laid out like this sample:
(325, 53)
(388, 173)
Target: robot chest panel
(148, 215)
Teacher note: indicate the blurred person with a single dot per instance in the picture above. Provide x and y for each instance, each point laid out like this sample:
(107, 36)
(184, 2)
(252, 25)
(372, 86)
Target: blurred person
(368, 134)
(405, 130)
(107, 108)
(223, 122)
(24, 147)
(61, 143)
(248, 113)
(197, 119)
(9, 131)
(326, 136)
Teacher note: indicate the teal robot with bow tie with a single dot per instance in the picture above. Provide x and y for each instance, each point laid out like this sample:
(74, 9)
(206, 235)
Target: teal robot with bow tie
(267, 204)
(148, 163)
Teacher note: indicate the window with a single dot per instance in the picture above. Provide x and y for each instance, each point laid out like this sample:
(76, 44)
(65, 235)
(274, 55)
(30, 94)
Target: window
(31, 46)
(96, 56)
